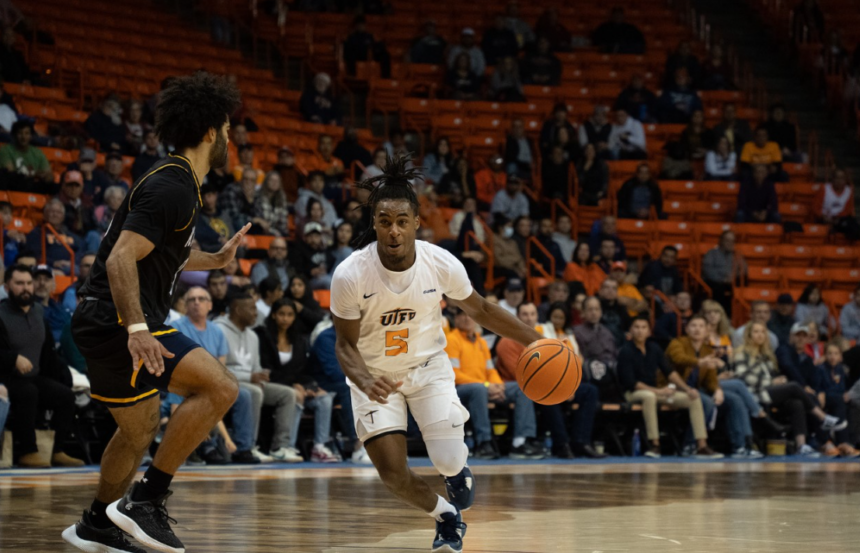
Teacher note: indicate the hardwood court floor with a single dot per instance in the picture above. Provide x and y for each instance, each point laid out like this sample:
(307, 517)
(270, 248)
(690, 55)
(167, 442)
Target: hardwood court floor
(765, 507)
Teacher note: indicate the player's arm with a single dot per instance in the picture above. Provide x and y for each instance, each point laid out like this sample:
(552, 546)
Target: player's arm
(202, 261)
(346, 348)
(125, 289)
(496, 319)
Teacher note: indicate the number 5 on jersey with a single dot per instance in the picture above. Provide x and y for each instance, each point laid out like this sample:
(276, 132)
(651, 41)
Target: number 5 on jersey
(396, 339)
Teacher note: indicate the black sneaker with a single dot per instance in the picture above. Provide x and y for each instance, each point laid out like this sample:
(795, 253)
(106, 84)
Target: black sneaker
(449, 534)
(461, 489)
(527, 451)
(245, 458)
(486, 451)
(146, 521)
(87, 537)
(213, 458)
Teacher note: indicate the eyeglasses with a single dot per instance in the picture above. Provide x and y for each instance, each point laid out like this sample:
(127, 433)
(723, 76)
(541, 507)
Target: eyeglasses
(196, 299)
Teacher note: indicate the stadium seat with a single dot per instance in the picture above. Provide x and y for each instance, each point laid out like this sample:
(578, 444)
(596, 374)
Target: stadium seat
(20, 224)
(838, 256)
(757, 254)
(757, 233)
(795, 212)
(762, 277)
(791, 255)
(680, 191)
(812, 235)
(672, 231)
(842, 279)
(711, 232)
(799, 277)
(636, 235)
(836, 298)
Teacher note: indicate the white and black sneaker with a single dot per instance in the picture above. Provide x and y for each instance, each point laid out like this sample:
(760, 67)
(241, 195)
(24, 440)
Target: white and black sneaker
(146, 521)
(90, 539)
(833, 424)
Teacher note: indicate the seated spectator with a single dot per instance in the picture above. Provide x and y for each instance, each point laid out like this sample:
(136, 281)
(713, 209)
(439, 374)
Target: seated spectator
(596, 131)
(349, 151)
(615, 316)
(638, 363)
(793, 361)
(549, 26)
(105, 125)
(111, 175)
(247, 162)
(627, 138)
(313, 189)
(782, 318)
(606, 255)
(834, 205)
(616, 36)
(291, 177)
(509, 261)
(757, 200)
(783, 133)
(33, 373)
(396, 145)
(287, 351)
(737, 131)
(544, 238)
(468, 212)
(135, 128)
(849, 317)
(662, 274)
(814, 345)
(761, 151)
(428, 48)
(270, 206)
(756, 366)
(549, 131)
(541, 66)
(460, 183)
(55, 314)
(375, 168)
(722, 266)
(490, 180)
(478, 383)
(511, 201)
(308, 310)
(437, 163)
(317, 103)
(603, 229)
(721, 163)
(639, 194)
(679, 100)
(146, 157)
(668, 326)
(13, 64)
(557, 293)
(521, 29)
(239, 138)
(628, 295)
(56, 255)
(563, 236)
(361, 45)
(637, 101)
(243, 360)
(676, 164)
(583, 269)
(831, 385)
(236, 203)
(80, 215)
(505, 84)
(499, 42)
(513, 297)
(309, 257)
(682, 58)
(811, 308)
(70, 296)
(276, 264)
(598, 349)
(569, 144)
(341, 249)
(759, 313)
(216, 284)
(477, 62)
(586, 396)
(555, 174)
(21, 157)
(716, 72)
(519, 150)
(269, 291)
(592, 177)
(523, 232)
(462, 81)
(316, 215)
(696, 138)
(720, 333)
(212, 230)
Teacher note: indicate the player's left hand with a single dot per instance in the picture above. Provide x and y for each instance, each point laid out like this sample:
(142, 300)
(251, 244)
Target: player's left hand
(228, 250)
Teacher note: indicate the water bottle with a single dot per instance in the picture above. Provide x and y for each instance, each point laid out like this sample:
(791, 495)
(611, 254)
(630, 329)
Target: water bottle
(470, 440)
(547, 441)
(637, 444)
(671, 399)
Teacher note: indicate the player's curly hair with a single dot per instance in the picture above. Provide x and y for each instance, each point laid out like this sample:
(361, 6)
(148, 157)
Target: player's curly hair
(393, 184)
(191, 105)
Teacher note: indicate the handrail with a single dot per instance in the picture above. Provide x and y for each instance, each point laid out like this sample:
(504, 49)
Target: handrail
(668, 303)
(488, 252)
(60, 239)
(558, 204)
(530, 261)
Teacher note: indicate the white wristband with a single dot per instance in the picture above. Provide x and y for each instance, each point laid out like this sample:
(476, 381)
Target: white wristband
(137, 328)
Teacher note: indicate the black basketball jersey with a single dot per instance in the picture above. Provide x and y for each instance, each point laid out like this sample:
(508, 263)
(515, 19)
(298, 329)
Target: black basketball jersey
(163, 207)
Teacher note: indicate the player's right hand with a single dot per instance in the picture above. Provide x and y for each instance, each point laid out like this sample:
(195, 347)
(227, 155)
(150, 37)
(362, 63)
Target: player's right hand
(149, 351)
(378, 389)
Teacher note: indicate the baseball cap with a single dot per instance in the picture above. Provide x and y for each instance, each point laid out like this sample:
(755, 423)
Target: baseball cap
(73, 176)
(799, 327)
(514, 285)
(43, 270)
(114, 155)
(468, 31)
(312, 227)
(87, 154)
(618, 266)
(785, 299)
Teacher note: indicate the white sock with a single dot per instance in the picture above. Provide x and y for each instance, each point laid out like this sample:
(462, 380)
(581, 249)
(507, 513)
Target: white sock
(442, 506)
(518, 442)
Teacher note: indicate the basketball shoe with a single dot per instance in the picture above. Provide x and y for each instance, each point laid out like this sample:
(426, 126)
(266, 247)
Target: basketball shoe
(146, 521)
(90, 539)
(461, 489)
(449, 534)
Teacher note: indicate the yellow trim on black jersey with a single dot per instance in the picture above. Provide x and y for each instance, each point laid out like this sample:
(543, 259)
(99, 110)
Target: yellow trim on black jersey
(193, 213)
(193, 174)
(124, 400)
(140, 183)
(163, 332)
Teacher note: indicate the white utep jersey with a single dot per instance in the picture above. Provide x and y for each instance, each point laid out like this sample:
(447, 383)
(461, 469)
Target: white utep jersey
(398, 330)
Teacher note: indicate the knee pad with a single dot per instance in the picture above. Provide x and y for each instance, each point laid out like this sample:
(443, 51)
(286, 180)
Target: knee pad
(449, 456)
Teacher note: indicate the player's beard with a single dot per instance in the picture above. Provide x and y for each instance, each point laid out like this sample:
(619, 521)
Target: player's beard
(218, 153)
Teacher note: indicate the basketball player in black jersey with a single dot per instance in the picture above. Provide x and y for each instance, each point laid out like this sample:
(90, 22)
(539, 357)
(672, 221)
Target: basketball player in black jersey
(119, 324)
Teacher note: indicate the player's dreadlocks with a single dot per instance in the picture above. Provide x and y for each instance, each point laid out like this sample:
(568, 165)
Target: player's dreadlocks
(393, 184)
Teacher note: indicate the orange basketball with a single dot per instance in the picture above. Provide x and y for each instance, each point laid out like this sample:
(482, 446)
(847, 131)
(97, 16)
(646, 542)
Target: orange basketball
(548, 372)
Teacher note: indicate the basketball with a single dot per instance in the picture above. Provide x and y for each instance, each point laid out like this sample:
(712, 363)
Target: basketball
(548, 372)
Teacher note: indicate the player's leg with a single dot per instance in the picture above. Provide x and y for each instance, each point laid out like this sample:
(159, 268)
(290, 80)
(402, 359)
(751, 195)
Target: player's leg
(388, 453)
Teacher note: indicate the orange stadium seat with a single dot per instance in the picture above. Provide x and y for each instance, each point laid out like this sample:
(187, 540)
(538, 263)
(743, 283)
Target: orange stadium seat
(711, 232)
(763, 277)
(798, 277)
(757, 254)
(812, 235)
(842, 279)
(791, 255)
(635, 234)
(838, 256)
(757, 233)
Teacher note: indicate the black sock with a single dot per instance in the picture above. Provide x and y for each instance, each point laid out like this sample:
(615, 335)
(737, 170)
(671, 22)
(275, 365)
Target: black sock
(154, 484)
(98, 515)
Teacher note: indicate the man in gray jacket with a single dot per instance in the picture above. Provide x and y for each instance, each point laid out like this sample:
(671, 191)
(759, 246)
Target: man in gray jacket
(243, 360)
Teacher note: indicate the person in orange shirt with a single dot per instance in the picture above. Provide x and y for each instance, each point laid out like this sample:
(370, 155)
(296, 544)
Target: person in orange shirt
(325, 161)
(247, 161)
(490, 180)
(478, 383)
(761, 150)
(240, 138)
(582, 268)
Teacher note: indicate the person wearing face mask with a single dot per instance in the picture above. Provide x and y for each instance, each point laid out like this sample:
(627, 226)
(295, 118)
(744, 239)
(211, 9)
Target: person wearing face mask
(509, 261)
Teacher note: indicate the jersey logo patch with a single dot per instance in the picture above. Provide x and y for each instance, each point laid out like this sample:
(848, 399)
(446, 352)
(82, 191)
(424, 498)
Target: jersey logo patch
(396, 317)
(430, 291)
(370, 295)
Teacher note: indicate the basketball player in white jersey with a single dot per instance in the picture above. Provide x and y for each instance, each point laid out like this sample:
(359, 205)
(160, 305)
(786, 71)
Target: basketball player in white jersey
(385, 303)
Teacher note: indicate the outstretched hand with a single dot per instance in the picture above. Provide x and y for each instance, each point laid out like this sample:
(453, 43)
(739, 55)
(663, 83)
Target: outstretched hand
(228, 250)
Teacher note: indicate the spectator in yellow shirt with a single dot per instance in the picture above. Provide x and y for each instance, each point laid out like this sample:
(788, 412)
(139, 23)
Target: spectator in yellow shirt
(246, 162)
(761, 150)
(478, 384)
(628, 295)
